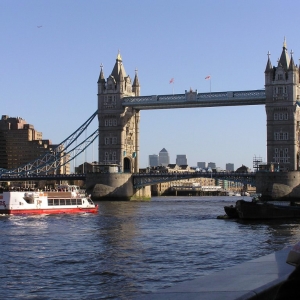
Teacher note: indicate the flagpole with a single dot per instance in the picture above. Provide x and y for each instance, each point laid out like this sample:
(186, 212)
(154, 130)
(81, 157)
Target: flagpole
(209, 78)
(172, 82)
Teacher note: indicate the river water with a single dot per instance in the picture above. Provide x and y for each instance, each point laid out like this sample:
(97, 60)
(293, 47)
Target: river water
(129, 248)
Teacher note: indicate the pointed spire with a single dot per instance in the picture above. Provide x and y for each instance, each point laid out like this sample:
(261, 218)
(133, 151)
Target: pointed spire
(101, 76)
(119, 57)
(121, 76)
(292, 64)
(269, 66)
(284, 43)
(136, 82)
(117, 68)
(284, 60)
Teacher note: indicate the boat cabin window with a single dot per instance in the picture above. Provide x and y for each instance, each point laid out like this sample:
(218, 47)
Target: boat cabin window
(52, 202)
(29, 198)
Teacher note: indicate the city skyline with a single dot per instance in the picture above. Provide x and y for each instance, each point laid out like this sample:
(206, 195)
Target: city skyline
(173, 160)
(52, 52)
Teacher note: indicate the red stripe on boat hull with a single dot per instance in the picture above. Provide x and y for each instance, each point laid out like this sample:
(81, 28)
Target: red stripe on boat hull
(49, 211)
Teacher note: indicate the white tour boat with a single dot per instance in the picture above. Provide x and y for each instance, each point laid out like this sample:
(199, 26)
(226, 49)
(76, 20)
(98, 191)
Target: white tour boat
(42, 202)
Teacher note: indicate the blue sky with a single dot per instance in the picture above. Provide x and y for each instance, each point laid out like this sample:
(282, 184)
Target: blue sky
(48, 74)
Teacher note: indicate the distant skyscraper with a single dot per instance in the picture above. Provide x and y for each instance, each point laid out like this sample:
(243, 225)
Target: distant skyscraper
(163, 158)
(202, 165)
(211, 165)
(181, 160)
(230, 167)
(153, 160)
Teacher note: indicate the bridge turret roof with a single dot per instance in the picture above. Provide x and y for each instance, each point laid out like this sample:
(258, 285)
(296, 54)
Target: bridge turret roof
(284, 60)
(136, 82)
(118, 68)
(292, 64)
(101, 76)
(269, 66)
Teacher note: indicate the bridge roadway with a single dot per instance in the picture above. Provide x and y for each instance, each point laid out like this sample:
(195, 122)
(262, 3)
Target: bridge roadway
(194, 99)
(141, 179)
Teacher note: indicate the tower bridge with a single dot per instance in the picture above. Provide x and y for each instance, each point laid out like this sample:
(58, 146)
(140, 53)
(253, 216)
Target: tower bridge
(119, 105)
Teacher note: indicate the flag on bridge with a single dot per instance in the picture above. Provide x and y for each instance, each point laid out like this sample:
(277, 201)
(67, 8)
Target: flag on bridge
(207, 77)
(172, 80)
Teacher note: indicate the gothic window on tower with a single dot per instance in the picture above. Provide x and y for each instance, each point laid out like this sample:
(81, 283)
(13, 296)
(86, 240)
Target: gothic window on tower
(281, 156)
(110, 122)
(107, 141)
(280, 77)
(106, 158)
(281, 136)
(281, 116)
(280, 90)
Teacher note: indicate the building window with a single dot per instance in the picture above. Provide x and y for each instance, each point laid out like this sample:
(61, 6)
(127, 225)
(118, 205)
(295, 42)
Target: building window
(281, 136)
(107, 141)
(114, 140)
(280, 77)
(110, 122)
(280, 90)
(275, 116)
(281, 156)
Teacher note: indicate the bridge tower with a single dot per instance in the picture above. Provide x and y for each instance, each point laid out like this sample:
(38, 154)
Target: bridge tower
(118, 125)
(283, 112)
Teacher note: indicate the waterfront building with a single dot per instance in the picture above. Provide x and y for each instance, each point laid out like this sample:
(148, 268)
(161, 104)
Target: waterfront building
(283, 112)
(163, 158)
(181, 160)
(202, 165)
(20, 144)
(211, 165)
(230, 167)
(87, 168)
(153, 160)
